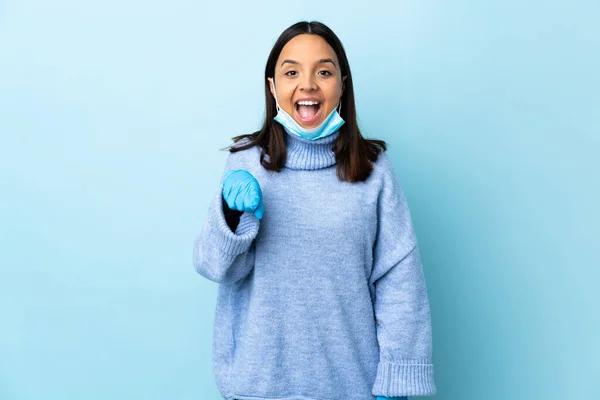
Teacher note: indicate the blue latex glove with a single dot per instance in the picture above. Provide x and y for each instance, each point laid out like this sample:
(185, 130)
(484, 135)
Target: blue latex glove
(392, 398)
(242, 192)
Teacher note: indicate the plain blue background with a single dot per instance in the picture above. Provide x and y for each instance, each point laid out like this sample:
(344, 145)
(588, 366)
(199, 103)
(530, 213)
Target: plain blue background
(112, 114)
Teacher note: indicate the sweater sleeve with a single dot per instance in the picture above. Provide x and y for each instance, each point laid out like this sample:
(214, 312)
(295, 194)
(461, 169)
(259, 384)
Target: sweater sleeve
(401, 304)
(224, 250)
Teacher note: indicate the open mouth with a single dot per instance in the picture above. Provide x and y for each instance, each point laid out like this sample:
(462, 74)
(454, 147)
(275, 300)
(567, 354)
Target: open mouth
(308, 113)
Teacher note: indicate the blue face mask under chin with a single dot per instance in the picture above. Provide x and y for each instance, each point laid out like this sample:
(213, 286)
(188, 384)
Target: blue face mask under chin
(330, 125)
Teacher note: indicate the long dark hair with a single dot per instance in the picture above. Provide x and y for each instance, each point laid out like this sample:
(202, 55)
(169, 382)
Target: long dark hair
(353, 153)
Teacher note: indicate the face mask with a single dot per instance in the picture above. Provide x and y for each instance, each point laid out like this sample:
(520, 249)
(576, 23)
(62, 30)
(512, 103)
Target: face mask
(330, 125)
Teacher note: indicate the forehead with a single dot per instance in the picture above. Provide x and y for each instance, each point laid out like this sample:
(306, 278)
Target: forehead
(306, 49)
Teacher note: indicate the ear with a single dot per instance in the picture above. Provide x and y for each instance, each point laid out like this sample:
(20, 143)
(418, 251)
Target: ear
(271, 86)
(343, 85)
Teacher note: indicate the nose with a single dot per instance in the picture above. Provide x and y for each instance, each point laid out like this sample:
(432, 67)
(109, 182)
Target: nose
(307, 83)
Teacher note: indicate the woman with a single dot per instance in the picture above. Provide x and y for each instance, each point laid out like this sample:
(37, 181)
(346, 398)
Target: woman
(322, 294)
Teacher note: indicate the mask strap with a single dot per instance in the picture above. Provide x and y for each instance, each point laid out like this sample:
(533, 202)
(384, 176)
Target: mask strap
(275, 93)
(340, 110)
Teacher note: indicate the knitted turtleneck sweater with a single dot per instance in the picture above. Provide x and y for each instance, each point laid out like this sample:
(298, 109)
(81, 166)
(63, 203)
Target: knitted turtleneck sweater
(324, 298)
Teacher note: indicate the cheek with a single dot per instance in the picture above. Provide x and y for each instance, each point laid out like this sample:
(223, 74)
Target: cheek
(286, 96)
(333, 94)
(285, 101)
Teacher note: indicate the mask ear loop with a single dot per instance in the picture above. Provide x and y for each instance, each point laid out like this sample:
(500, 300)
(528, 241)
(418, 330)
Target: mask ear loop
(340, 107)
(275, 94)
(340, 110)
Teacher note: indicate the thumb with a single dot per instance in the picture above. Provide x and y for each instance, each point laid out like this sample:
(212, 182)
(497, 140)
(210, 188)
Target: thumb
(260, 210)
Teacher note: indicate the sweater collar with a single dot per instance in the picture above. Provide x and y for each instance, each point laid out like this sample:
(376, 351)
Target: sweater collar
(310, 154)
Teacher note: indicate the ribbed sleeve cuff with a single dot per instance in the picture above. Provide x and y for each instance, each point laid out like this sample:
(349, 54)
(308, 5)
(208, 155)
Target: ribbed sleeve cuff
(232, 244)
(406, 379)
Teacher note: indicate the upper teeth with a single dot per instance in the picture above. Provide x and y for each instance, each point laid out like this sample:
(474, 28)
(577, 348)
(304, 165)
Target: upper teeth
(308, 103)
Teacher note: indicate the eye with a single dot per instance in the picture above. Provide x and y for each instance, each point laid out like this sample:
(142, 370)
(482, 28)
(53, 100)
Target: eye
(327, 72)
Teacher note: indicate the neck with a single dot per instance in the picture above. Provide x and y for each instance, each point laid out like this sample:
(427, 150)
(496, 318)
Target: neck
(309, 154)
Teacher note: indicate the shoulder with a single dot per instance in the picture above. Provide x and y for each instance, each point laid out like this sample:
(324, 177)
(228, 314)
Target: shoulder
(242, 159)
(383, 167)
(242, 142)
(383, 160)
(388, 179)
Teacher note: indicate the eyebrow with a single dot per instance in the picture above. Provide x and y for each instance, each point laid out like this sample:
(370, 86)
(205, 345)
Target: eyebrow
(321, 61)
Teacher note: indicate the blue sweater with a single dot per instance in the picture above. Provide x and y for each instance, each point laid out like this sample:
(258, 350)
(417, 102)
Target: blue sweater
(325, 297)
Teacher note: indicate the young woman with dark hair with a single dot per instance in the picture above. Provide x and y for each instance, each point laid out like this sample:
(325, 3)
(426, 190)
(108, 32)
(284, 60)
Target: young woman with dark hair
(322, 294)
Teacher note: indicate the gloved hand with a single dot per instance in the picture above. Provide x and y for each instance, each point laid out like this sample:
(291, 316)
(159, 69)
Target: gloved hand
(242, 192)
